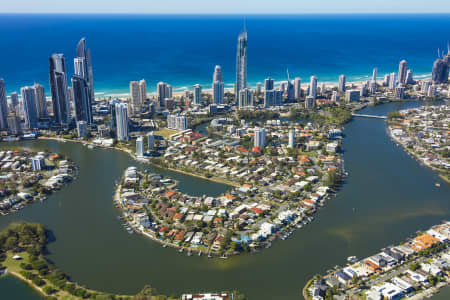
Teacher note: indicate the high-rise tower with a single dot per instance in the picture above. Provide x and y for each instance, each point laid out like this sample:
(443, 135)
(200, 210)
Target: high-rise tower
(218, 89)
(402, 69)
(3, 106)
(58, 88)
(241, 63)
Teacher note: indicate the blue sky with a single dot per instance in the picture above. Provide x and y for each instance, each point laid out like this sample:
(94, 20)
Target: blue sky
(225, 6)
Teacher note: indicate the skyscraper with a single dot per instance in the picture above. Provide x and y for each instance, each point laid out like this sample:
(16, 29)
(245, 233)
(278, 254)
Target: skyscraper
(41, 102)
(297, 88)
(268, 84)
(150, 140)
(290, 91)
(140, 146)
(392, 80)
(402, 69)
(14, 101)
(218, 76)
(14, 124)
(162, 92)
(142, 91)
(259, 137)
(218, 88)
(245, 98)
(197, 94)
(341, 87)
(291, 143)
(3, 106)
(81, 98)
(29, 107)
(313, 87)
(85, 68)
(241, 63)
(409, 77)
(58, 88)
(441, 68)
(374, 74)
(122, 121)
(135, 97)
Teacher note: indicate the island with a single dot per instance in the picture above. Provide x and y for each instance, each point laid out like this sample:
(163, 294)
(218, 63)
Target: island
(27, 176)
(417, 269)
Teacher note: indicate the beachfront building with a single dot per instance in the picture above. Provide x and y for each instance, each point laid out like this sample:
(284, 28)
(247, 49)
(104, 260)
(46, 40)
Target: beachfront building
(41, 102)
(81, 99)
(122, 121)
(313, 87)
(163, 91)
(297, 88)
(14, 100)
(197, 94)
(341, 86)
(3, 106)
(59, 90)
(402, 70)
(268, 84)
(241, 63)
(138, 95)
(84, 68)
(29, 107)
(140, 146)
(374, 74)
(217, 86)
(392, 81)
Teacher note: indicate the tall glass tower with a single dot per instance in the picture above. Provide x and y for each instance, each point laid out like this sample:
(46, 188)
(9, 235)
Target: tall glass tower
(241, 63)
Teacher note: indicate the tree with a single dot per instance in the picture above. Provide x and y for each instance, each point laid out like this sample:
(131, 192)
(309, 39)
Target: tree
(145, 294)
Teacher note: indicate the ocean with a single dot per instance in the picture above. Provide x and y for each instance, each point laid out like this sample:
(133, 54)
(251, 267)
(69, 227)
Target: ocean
(183, 50)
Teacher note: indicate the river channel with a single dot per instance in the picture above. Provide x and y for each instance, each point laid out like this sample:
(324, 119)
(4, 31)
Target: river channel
(388, 196)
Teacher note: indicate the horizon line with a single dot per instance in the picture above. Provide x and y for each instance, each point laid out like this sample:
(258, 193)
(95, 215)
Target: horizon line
(228, 14)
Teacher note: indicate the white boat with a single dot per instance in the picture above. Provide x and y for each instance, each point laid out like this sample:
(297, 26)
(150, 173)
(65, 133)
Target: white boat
(352, 259)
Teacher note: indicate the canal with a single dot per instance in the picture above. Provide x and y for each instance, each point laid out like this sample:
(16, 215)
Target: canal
(388, 196)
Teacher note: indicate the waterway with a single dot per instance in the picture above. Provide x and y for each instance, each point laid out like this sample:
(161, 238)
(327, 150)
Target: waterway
(388, 196)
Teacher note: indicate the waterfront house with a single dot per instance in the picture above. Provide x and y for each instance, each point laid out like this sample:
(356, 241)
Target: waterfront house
(391, 291)
(343, 278)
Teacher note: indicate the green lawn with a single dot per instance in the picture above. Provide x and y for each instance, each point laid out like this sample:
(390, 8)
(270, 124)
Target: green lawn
(165, 132)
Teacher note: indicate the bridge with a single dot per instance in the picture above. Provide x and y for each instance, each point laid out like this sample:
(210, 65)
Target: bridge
(369, 116)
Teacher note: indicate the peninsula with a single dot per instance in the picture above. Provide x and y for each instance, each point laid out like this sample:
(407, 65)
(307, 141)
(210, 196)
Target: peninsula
(27, 176)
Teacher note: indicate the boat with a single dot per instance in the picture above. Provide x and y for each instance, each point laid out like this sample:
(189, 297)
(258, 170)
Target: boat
(200, 253)
(209, 255)
(352, 259)
(437, 185)
(164, 245)
(224, 257)
(181, 250)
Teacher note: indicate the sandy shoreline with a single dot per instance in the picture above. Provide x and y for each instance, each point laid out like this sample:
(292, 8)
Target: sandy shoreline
(206, 89)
